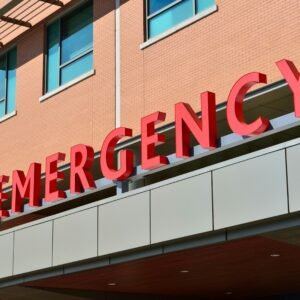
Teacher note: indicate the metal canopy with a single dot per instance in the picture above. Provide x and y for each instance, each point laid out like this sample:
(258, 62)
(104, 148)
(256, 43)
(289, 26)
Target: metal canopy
(19, 15)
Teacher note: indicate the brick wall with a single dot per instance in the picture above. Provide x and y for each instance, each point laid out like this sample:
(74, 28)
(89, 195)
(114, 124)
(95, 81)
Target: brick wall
(208, 55)
(83, 113)
(211, 54)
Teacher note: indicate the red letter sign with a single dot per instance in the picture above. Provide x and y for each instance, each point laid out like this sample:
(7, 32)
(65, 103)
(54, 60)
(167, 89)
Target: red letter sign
(28, 187)
(235, 114)
(52, 176)
(150, 139)
(107, 156)
(186, 122)
(292, 76)
(81, 178)
(3, 197)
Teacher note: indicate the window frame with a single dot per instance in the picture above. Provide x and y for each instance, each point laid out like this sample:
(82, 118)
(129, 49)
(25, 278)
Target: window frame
(175, 2)
(59, 19)
(5, 54)
(158, 12)
(149, 17)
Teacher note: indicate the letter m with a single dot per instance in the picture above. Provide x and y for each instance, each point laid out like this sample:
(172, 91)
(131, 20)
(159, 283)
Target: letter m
(26, 187)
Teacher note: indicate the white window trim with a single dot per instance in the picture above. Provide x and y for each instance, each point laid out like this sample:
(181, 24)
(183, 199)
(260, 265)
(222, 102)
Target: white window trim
(8, 116)
(178, 27)
(67, 85)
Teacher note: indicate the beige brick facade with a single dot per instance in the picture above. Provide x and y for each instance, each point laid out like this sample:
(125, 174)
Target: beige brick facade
(210, 54)
(83, 113)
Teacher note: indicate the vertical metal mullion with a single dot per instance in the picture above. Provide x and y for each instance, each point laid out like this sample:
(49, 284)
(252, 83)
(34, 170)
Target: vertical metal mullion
(6, 83)
(194, 7)
(146, 19)
(46, 54)
(93, 31)
(59, 52)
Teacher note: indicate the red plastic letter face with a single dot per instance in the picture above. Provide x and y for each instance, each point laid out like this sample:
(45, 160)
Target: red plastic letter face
(28, 187)
(3, 197)
(187, 121)
(52, 176)
(81, 178)
(235, 116)
(150, 139)
(107, 156)
(292, 76)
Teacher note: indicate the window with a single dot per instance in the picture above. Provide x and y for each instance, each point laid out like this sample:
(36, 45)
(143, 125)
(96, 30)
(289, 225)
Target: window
(69, 47)
(165, 14)
(8, 63)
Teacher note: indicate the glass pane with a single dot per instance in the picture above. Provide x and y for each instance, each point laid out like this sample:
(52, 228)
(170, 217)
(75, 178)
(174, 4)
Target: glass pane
(77, 68)
(11, 86)
(2, 76)
(171, 17)
(156, 5)
(2, 108)
(204, 4)
(77, 33)
(53, 56)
